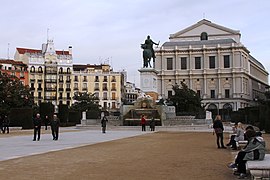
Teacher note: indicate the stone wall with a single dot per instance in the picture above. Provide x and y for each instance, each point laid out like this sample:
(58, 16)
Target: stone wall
(185, 120)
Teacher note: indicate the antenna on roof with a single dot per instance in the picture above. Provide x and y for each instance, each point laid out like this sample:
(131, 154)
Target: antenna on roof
(8, 51)
(203, 15)
(48, 34)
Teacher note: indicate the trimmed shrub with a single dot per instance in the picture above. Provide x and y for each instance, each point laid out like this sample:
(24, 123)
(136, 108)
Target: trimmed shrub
(46, 109)
(74, 117)
(63, 113)
(21, 117)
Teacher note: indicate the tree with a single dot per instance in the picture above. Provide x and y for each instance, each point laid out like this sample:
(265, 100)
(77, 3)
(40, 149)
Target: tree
(85, 102)
(13, 94)
(185, 100)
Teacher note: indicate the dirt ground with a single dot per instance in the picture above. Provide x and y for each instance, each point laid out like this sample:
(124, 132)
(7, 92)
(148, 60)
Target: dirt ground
(161, 155)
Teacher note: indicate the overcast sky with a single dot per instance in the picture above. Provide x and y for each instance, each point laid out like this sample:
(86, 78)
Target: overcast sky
(112, 30)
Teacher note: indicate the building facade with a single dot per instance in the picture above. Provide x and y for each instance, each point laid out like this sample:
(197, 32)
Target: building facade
(131, 93)
(50, 73)
(102, 81)
(15, 68)
(211, 60)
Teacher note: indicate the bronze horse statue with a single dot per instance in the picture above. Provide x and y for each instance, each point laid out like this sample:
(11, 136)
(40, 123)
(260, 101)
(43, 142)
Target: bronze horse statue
(147, 55)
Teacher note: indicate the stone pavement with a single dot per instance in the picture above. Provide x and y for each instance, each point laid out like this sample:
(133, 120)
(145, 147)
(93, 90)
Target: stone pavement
(20, 146)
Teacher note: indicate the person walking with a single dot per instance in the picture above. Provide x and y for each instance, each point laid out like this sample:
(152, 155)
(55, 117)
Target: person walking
(55, 124)
(37, 125)
(218, 130)
(104, 123)
(143, 122)
(6, 123)
(152, 124)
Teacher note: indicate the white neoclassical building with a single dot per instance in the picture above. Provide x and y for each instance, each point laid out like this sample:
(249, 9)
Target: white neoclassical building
(212, 61)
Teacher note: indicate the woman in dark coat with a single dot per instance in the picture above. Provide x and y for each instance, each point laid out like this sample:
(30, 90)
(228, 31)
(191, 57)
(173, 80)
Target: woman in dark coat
(218, 129)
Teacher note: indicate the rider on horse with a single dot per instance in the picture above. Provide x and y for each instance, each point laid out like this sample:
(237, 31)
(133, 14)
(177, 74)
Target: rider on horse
(149, 45)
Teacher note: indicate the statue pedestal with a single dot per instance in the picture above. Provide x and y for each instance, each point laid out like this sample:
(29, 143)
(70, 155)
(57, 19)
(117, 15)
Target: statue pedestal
(148, 82)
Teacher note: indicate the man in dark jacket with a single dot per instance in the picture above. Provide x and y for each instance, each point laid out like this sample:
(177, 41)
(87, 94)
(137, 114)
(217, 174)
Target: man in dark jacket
(37, 125)
(6, 123)
(104, 124)
(55, 124)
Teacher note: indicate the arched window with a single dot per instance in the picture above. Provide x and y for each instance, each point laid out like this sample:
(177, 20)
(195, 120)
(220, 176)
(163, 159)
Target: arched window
(61, 70)
(204, 36)
(40, 69)
(32, 69)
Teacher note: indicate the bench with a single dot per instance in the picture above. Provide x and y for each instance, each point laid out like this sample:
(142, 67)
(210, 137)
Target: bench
(259, 169)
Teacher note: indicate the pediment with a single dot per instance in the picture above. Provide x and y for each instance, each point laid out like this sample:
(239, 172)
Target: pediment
(204, 25)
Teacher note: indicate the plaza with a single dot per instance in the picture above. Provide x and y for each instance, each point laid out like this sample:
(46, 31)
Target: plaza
(122, 153)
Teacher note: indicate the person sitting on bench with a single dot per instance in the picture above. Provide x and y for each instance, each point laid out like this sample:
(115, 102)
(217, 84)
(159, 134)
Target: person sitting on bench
(254, 150)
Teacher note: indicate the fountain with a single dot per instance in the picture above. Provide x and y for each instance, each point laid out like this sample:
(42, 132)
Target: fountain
(144, 105)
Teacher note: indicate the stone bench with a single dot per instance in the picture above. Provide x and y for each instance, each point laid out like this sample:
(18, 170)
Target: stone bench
(259, 169)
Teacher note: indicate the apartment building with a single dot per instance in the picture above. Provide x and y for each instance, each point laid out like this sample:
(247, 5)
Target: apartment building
(50, 73)
(102, 81)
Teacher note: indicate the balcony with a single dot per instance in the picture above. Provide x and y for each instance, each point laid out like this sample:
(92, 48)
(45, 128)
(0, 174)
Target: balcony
(113, 89)
(75, 88)
(40, 89)
(68, 89)
(84, 89)
(50, 98)
(96, 88)
(105, 89)
(50, 89)
(68, 81)
(60, 89)
(50, 81)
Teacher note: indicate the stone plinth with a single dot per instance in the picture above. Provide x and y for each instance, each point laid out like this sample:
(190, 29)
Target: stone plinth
(148, 81)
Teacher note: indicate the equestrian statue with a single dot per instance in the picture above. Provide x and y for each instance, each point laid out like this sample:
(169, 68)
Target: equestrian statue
(148, 52)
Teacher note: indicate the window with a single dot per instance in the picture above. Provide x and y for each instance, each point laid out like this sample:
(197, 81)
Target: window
(96, 79)
(84, 78)
(105, 87)
(213, 94)
(105, 79)
(75, 78)
(199, 93)
(197, 62)
(204, 36)
(183, 63)
(227, 93)
(169, 63)
(226, 61)
(96, 87)
(97, 94)
(40, 69)
(113, 96)
(61, 70)
(105, 97)
(113, 105)
(169, 94)
(212, 64)
(32, 69)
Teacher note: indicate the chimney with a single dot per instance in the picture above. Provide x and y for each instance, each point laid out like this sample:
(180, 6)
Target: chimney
(70, 50)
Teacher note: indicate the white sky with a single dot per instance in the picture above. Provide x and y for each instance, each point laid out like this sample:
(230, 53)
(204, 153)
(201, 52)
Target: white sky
(102, 30)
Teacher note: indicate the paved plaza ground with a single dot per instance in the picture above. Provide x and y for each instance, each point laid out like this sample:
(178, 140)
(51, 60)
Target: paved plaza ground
(171, 153)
